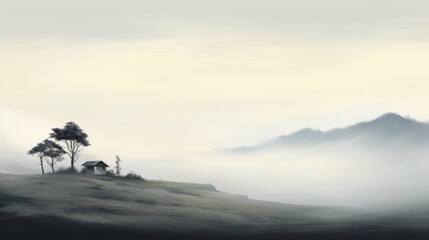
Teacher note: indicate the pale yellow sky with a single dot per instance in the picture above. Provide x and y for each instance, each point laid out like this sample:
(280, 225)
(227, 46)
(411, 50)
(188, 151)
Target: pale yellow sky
(163, 82)
(168, 79)
(197, 93)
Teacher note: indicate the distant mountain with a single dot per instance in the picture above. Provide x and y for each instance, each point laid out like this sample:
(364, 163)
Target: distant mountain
(387, 131)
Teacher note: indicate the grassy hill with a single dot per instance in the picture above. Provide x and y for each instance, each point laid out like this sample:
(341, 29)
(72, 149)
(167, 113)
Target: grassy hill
(87, 207)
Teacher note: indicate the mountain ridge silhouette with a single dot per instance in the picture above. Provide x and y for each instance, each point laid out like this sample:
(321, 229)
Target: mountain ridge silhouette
(387, 130)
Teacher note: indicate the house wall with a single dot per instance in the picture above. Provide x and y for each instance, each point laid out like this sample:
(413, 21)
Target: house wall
(89, 170)
(99, 170)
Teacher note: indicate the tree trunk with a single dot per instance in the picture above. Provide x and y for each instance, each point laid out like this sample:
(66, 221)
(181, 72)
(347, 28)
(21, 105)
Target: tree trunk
(72, 161)
(41, 165)
(52, 165)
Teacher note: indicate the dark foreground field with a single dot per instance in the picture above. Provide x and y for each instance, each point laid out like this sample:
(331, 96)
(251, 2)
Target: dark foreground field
(59, 228)
(90, 207)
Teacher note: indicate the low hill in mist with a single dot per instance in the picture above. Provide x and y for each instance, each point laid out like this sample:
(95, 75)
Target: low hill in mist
(88, 207)
(387, 131)
(365, 164)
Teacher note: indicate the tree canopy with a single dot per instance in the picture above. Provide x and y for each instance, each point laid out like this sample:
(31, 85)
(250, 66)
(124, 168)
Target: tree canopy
(54, 151)
(73, 137)
(39, 150)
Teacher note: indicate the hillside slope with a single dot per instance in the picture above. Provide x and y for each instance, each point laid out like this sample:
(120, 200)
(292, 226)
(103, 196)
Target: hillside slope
(135, 203)
(83, 206)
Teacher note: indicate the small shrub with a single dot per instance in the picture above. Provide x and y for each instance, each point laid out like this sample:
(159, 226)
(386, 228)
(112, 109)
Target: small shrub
(84, 171)
(66, 171)
(110, 173)
(133, 175)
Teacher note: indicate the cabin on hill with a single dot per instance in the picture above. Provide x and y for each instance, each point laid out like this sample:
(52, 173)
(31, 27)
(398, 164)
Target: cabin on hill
(95, 167)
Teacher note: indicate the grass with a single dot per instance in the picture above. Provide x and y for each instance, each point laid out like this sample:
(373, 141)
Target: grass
(136, 208)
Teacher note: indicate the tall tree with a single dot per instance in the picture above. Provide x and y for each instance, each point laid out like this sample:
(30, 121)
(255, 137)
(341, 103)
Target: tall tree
(118, 166)
(73, 137)
(39, 150)
(54, 151)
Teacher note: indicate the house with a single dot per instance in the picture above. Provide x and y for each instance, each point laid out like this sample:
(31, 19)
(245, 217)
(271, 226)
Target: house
(95, 167)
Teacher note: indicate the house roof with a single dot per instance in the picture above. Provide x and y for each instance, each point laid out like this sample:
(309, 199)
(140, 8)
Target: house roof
(94, 163)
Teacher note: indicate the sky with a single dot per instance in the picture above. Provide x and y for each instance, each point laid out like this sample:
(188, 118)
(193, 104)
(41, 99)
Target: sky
(165, 79)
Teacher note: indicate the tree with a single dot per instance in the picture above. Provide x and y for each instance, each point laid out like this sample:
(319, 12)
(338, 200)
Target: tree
(54, 151)
(39, 150)
(118, 166)
(73, 137)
